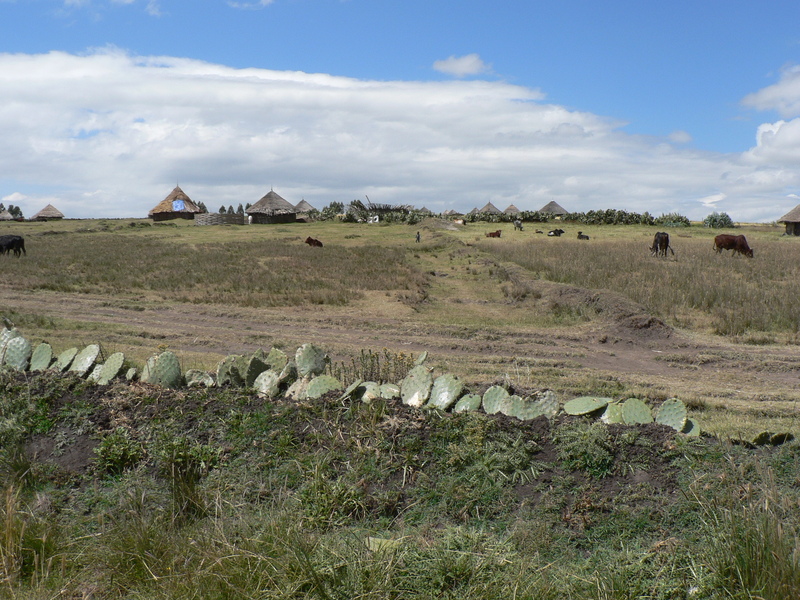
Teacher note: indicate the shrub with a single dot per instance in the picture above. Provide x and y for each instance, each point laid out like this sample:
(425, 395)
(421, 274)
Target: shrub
(718, 220)
(672, 220)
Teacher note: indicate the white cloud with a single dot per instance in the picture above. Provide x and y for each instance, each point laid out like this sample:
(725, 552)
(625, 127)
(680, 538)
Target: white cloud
(712, 200)
(680, 137)
(250, 5)
(462, 66)
(783, 97)
(109, 134)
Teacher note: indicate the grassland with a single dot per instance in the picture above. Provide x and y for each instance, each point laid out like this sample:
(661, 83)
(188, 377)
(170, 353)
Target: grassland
(130, 491)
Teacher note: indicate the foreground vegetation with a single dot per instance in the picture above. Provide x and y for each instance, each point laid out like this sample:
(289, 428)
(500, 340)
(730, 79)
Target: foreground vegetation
(140, 492)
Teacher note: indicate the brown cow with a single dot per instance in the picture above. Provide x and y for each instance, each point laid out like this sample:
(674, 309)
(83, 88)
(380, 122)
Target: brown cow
(494, 233)
(313, 243)
(737, 243)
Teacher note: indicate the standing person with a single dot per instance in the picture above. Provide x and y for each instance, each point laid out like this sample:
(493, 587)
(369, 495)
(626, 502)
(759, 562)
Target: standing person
(418, 237)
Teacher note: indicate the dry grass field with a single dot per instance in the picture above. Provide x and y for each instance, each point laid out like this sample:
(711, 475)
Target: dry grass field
(580, 317)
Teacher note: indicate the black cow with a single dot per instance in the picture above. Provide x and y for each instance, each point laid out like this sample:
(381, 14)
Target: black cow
(555, 232)
(12, 243)
(661, 245)
(737, 243)
(581, 236)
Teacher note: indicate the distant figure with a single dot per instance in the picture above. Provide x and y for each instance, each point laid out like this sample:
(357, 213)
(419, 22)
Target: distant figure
(313, 242)
(249, 219)
(582, 236)
(418, 237)
(517, 225)
(494, 233)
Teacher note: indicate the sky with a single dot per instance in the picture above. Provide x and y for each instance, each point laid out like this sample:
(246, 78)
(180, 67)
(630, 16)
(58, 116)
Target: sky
(685, 106)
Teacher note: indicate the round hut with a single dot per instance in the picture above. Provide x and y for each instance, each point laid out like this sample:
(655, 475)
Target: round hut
(553, 208)
(272, 209)
(791, 220)
(48, 213)
(177, 205)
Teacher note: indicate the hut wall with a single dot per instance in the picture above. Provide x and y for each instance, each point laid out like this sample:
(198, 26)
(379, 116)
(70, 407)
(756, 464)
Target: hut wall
(792, 228)
(220, 219)
(262, 219)
(168, 216)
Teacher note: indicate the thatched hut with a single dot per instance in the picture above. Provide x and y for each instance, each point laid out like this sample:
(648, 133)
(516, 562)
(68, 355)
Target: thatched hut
(490, 209)
(48, 213)
(6, 216)
(177, 205)
(554, 208)
(452, 213)
(272, 209)
(303, 207)
(792, 221)
(511, 210)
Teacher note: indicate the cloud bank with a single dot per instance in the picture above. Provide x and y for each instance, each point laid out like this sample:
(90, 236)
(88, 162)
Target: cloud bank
(108, 134)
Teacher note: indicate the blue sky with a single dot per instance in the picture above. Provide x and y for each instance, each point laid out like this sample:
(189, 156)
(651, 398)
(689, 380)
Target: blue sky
(683, 106)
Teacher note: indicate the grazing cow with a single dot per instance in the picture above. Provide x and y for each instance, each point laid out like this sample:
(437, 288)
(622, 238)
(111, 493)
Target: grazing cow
(737, 243)
(582, 237)
(494, 233)
(12, 243)
(313, 243)
(459, 222)
(661, 245)
(555, 232)
(517, 224)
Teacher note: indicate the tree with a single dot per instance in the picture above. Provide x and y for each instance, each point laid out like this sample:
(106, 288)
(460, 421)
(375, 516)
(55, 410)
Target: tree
(230, 210)
(240, 209)
(15, 211)
(330, 211)
(202, 207)
(222, 210)
(718, 220)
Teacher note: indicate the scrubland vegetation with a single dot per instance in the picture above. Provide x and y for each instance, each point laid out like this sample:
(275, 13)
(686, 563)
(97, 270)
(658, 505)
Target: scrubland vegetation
(131, 491)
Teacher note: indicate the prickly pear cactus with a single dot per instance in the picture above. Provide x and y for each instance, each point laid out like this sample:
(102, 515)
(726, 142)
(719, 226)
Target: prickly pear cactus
(672, 412)
(131, 374)
(268, 384)
(251, 369)
(636, 412)
(228, 373)
(415, 389)
(525, 409)
(780, 438)
(276, 359)
(446, 390)
(370, 390)
(692, 429)
(84, 361)
(93, 376)
(111, 368)
(64, 359)
(494, 399)
(42, 357)
(298, 390)
(583, 405)
(352, 392)
(421, 359)
(613, 414)
(17, 353)
(762, 438)
(198, 378)
(310, 360)
(468, 403)
(390, 391)
(6, 334)
(548, 403)
(288, 374)
(321, 385)
(168, 370)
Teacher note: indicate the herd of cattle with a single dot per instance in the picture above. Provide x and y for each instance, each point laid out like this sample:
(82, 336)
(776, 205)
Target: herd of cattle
(12, 243)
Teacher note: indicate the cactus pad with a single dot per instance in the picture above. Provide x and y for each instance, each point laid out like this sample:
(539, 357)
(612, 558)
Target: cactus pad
(390, 391)
(421, 358)
(228, 372)
(276, 359)
(692, 429)
(548, 403)
(583, 405)
(321, 385)
(446, 390)
(17, 353)
(252, 368)
(415, 389)
(131, 374)
(494, 400)
(613, 414)
(95, 374)
(780, 438)
(111, 368)
(268, 384)
(84, 360)
(370, 390)
(65, 359)
(42, 357)
(298, 390)
(352, 391)
(636, 412)
(524, 409)
(198, 378)
(468, 403)
(311, 360)
(672, 412)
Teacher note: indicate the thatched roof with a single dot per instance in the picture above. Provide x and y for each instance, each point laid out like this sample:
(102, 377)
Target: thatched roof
(474, 211)
(554, 208)
(272, 204)
(793, 216)
(425, 211)
(176, 202)
(304, 207)
(6, 216)
(48, 212)
(451, 213)
(490, 209)
(511, 210)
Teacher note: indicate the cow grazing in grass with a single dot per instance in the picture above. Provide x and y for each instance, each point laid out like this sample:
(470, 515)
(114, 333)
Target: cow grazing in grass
(555, 232)
(517, 224)
(737, 243)
(493, 233)
(661, 245)
(581, 236)
(313, 242)
(12, 243)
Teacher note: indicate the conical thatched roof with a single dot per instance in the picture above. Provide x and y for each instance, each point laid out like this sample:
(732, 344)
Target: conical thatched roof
(474, 211)
(451, 213)
(511, 210)
(6, 216)
(793, 216)
(304, 207)
(425, 211)
(490, 209)
(272, 204)
(48, 212)
(554, 208)
(176, 202)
